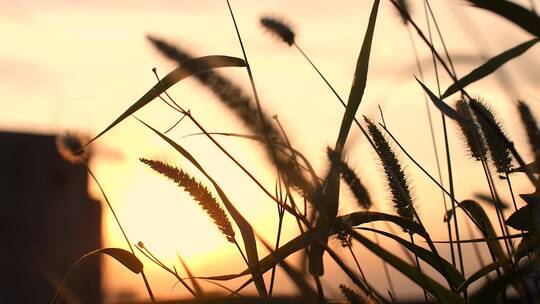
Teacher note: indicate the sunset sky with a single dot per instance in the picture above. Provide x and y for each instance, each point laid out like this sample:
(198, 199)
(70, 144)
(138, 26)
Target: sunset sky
(77, 65)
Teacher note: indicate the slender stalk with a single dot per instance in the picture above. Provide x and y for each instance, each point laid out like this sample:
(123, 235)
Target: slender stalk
(511, 191)
(154, 259)
(253, 87)
(446, 144)
(497, 202)
(476, 248)
(392, 290)
(435, 150)
(241, 252)
(146, 283)
(278, 237)
(357, 263)
(281, 214)
(419, 268)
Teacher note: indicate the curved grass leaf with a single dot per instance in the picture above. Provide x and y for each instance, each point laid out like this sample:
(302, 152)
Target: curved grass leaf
(190, 67)
(442, 106)
(514, 12)
(427, 256)
(442, 294)
(484, 271)
(246, 230)
(362, 217)
(481, 220)
(298, 278)
(271, 260)
(489, 67)
(303, 240)
(522, 219)
(488, 199)
(126, 258)
(490, 292)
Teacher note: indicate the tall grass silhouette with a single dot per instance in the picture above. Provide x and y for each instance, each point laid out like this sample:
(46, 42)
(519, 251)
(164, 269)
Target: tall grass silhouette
(512, 244)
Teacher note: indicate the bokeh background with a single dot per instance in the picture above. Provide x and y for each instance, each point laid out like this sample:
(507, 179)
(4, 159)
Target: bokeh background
(68, 65)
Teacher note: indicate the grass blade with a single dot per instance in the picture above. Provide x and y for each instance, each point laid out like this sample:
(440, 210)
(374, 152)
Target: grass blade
(298, 278)
(189, 68)
(489, 67)
(359, 81)
(363, 217)
(303, 240)
(196, 286)
(427, 256)
(515, 13)
(330, 196)
(442, 294)
(126, 258)
(483, 272)
(481, 220)
(490, 291)
(443, 107)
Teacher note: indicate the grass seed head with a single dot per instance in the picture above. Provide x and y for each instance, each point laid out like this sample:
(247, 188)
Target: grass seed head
(70, 145)
(395, 175)
(352, 296)
(531, 127)
(471, 132)
(491, 129)
(198, 192)
(278, 28)
(351, 179)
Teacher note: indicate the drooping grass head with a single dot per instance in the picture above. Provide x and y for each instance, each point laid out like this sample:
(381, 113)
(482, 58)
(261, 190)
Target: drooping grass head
(395, 175)
(472, 136)
(492, 131)
(278, 28)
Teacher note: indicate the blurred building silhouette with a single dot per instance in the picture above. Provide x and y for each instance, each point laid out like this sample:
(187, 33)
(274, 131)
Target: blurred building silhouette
(47, 222)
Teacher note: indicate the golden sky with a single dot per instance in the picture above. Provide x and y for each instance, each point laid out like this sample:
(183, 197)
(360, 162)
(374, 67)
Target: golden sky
(78, 65)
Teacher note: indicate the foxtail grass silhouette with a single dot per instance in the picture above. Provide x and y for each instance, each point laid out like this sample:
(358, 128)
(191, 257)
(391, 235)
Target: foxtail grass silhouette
(198, 192)
(498, 150)
(351, 179)
(278, 28)
(474, 140)
(353, 297)
(395, 176)
(481, 139)
(531, 128)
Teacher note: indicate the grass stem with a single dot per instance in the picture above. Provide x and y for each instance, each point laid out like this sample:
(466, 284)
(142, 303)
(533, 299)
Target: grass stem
(146, 283)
